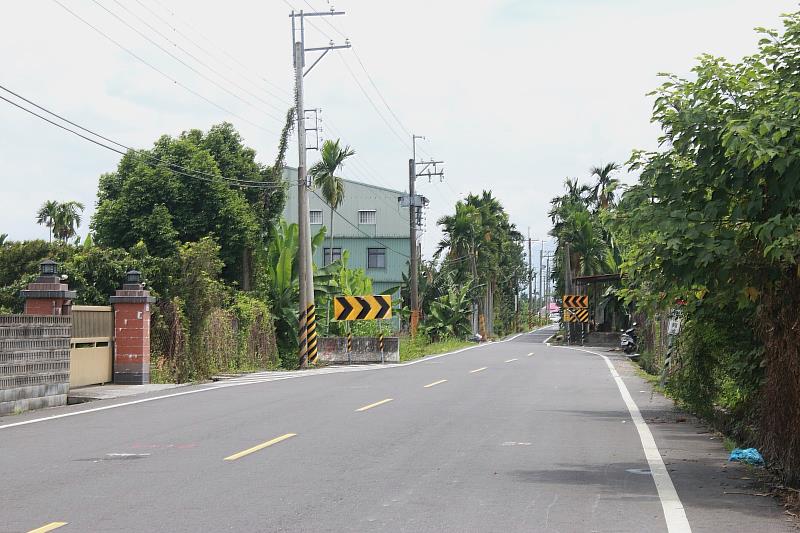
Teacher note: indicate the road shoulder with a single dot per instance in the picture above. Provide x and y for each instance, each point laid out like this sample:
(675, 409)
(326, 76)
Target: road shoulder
(717, 495)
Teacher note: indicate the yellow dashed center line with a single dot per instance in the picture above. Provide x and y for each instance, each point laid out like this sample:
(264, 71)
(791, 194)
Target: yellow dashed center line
(48, 527)
(376, 404)
(435, 383)
(478, 369)
(512, 360)
(261, 446)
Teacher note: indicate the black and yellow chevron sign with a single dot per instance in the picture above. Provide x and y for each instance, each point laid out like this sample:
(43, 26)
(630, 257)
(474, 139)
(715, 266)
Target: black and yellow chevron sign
(362, 307)
(575, 301)
(576, 315)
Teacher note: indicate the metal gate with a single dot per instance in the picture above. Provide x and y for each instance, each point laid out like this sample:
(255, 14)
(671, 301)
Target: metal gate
(92, 348)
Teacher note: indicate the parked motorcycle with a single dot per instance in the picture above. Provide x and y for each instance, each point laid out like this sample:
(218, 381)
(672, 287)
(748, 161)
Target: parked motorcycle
(627, 340)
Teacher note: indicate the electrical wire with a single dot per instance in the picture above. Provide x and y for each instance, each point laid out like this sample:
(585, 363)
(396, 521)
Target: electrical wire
(243, 73)
(203, 176)
(385, 103)
(159, 71)
(184, 63)
(403, 141)
(197, 59)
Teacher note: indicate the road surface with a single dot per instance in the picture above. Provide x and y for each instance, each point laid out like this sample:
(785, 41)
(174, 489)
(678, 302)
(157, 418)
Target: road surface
(510, 436)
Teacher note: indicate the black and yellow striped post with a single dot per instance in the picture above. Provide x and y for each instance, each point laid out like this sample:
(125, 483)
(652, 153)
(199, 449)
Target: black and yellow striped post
(311, 333)
(380, 342)
(302, 340)
(349, 345)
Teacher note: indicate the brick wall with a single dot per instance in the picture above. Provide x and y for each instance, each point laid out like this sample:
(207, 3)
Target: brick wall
(34, 362)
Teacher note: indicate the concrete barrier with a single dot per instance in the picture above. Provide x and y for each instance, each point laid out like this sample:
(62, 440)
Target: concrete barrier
(333, 350)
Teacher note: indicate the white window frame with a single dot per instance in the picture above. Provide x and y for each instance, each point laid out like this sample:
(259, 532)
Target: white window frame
(364, 215)
(314, 212)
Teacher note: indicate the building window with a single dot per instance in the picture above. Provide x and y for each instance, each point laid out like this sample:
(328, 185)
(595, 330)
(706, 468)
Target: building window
(316, 217)
(367, 217)
(327, 260)
(376, 257)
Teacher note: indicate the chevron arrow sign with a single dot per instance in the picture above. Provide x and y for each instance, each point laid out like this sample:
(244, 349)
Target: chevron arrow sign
(576, 315)
(362, 307)
(575, 301)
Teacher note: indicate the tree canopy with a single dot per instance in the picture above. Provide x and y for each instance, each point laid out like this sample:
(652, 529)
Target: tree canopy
(180, 191)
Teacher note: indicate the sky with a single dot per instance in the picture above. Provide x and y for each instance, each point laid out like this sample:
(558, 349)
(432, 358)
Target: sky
(513, 95)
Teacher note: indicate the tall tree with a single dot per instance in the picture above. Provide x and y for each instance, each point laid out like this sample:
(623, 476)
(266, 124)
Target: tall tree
(179, 191)
(46, 216)
(67, 219)
(603, 191)
(324, 171)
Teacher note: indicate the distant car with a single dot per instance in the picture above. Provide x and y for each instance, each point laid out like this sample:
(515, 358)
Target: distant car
(555, 317)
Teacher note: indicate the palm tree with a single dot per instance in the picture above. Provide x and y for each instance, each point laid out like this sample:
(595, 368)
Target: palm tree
(67, 219)
(603, 191)
(324, 175)
(46, 216)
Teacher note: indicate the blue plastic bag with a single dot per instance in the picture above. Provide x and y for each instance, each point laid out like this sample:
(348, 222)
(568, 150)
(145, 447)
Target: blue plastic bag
(748, 456)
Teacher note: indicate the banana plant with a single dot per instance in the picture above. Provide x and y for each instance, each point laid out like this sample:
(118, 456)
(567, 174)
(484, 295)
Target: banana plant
(284, 280)
(449, 316)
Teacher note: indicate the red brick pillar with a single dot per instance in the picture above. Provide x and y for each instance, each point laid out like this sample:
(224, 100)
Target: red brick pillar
(132, 331)
(48, 295)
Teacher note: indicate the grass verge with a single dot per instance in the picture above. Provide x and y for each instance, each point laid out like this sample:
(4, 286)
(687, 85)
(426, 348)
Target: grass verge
(420, 346)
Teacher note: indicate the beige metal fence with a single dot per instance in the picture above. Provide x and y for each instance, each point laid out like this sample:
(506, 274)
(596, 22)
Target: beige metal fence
(92, 349)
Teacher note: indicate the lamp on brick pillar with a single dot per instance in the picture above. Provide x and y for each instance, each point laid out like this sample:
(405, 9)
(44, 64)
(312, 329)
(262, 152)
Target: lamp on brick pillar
(48, 295)
(132, 331)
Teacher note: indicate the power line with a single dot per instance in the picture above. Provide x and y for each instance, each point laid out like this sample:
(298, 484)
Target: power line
(402, 140)
(370, 237)
(385, 103)
(159, 71)
(197, 59)
(326, 21)
(243, 73)
(173, 166)
(182, 62)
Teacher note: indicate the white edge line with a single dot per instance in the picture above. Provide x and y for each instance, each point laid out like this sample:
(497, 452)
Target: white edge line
(240, 384)
(674, 512)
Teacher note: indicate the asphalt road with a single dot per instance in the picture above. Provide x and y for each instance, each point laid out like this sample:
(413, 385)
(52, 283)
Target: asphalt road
(511, 436)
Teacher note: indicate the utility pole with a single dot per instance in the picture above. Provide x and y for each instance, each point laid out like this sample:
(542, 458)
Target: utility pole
(567, 286)
(547, 287)
(306, 313)
(541, 277)
(429, 169)
(530, 280)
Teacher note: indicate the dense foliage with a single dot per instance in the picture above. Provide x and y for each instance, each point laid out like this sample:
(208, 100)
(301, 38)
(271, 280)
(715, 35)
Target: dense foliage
(181, 191)
(714, 224)
(482, 257)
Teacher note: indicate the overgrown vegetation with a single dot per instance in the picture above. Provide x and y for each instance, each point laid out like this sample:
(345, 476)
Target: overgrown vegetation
(479, 265)
(420, 346)
(712, 227)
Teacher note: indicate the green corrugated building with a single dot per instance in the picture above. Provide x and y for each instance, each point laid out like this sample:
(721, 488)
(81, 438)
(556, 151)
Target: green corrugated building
(369, 223)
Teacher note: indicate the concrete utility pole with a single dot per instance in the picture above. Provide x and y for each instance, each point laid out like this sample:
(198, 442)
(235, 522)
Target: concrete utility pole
(530, 279)
(304, 256)
(429, 169)
(541, 277)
